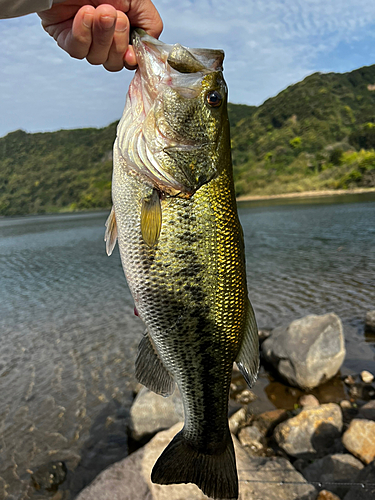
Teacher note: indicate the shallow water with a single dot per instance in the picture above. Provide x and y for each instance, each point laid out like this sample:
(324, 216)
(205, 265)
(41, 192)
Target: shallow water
(69, 335)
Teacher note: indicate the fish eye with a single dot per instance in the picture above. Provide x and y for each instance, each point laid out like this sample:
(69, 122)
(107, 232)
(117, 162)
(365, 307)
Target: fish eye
(214, 98)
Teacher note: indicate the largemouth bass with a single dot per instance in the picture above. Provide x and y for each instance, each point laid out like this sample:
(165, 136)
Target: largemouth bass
(181, 244)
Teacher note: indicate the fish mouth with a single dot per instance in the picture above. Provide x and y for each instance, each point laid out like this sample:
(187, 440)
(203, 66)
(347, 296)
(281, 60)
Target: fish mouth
(181, 59)
(142, 140)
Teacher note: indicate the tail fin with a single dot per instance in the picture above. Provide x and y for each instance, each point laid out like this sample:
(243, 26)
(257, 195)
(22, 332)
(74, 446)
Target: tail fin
(215, 475)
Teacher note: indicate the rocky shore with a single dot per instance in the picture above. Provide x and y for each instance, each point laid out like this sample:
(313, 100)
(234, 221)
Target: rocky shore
(312, 449)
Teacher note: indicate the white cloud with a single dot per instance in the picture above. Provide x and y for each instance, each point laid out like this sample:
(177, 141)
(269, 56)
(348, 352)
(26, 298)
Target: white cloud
(268, 46)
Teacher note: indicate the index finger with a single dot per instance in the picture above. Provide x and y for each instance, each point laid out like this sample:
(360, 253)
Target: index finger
(143, 14)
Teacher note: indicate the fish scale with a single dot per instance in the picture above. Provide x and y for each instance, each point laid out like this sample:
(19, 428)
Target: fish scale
(183, 257)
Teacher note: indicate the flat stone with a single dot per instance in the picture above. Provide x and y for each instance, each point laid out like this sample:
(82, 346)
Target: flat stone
(367, 377)
(311, 433)
(308, 352)
(370, 321)
(151, 413)
(367, 411)
(337, 468)
(359, 439)
(364, 489)
(130, 479)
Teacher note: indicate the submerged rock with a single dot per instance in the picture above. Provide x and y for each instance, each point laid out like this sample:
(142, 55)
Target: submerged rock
(151, 413)
(48, 477)
(311, 433)
(359, 439)
(370, 322)
(308, 352)
(338, 468)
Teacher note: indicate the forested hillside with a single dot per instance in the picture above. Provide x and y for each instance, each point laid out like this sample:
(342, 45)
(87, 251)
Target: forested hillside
(316, 134)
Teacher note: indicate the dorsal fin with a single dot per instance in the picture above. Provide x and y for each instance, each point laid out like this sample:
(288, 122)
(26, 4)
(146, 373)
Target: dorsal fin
(110, 236)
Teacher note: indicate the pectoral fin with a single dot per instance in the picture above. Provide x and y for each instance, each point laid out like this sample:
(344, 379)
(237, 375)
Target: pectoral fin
(151, 219)
(150, 370)
(248, 357)
(110, 236)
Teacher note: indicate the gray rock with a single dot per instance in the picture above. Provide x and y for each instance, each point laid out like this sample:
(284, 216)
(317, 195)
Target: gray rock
(370, 321)
(359, 439)
(311, 433)
(120, 481)
(367, 411)
(339, 468)
(308, 400)
(307, 352)
(237, 420)
(151, 413)
(251, 437)
(130, 479)
(365, 487)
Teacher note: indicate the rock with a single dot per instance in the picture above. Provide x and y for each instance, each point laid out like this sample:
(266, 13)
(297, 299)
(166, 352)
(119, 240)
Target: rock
(308, 352)
(251, 437)
(268, 420)
(237, 420)
(349, 380)
(151, 413)
(367, 377)
(359, 439)
(327, 495)
(345, 404)
(367, 411)
(370, 322)
(308, 400)
(130, 479)
(245, 397)
(311, 433)
(338, 468)
(48, 477)
(120, 481)
(365, 485)
(263, 335)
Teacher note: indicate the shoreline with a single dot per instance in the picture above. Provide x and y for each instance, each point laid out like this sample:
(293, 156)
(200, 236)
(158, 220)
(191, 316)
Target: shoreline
(306, 194)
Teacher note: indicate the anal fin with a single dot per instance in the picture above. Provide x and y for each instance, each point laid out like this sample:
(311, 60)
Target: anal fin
(248, 357)
(110, 236)
(150, 370)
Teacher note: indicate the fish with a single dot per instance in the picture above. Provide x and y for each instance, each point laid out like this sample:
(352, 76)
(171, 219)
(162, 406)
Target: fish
(181, 244)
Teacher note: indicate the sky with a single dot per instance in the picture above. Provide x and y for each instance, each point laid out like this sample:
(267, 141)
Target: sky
(269, 45)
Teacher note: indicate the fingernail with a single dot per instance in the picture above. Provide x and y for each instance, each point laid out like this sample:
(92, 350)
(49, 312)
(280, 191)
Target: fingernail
(121, 25)
(87, 20)
(107, 22)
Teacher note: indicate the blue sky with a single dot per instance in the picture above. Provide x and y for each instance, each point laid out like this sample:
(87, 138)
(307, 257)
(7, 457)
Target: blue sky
(268, 45)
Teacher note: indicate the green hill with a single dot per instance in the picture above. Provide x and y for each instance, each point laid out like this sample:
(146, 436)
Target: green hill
(316, 134)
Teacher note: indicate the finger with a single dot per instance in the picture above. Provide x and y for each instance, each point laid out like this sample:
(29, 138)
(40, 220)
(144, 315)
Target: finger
(144, 15)
(102, 34)
(115, 61)
(78, 40)
(130, 61)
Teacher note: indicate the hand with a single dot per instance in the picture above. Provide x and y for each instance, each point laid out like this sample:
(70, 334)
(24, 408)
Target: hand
(99, 30)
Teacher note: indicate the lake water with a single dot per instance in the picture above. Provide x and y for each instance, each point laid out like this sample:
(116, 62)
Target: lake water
(69, 335)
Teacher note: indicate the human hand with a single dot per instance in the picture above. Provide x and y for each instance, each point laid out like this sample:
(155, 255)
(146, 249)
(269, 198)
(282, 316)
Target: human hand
(98, 30)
